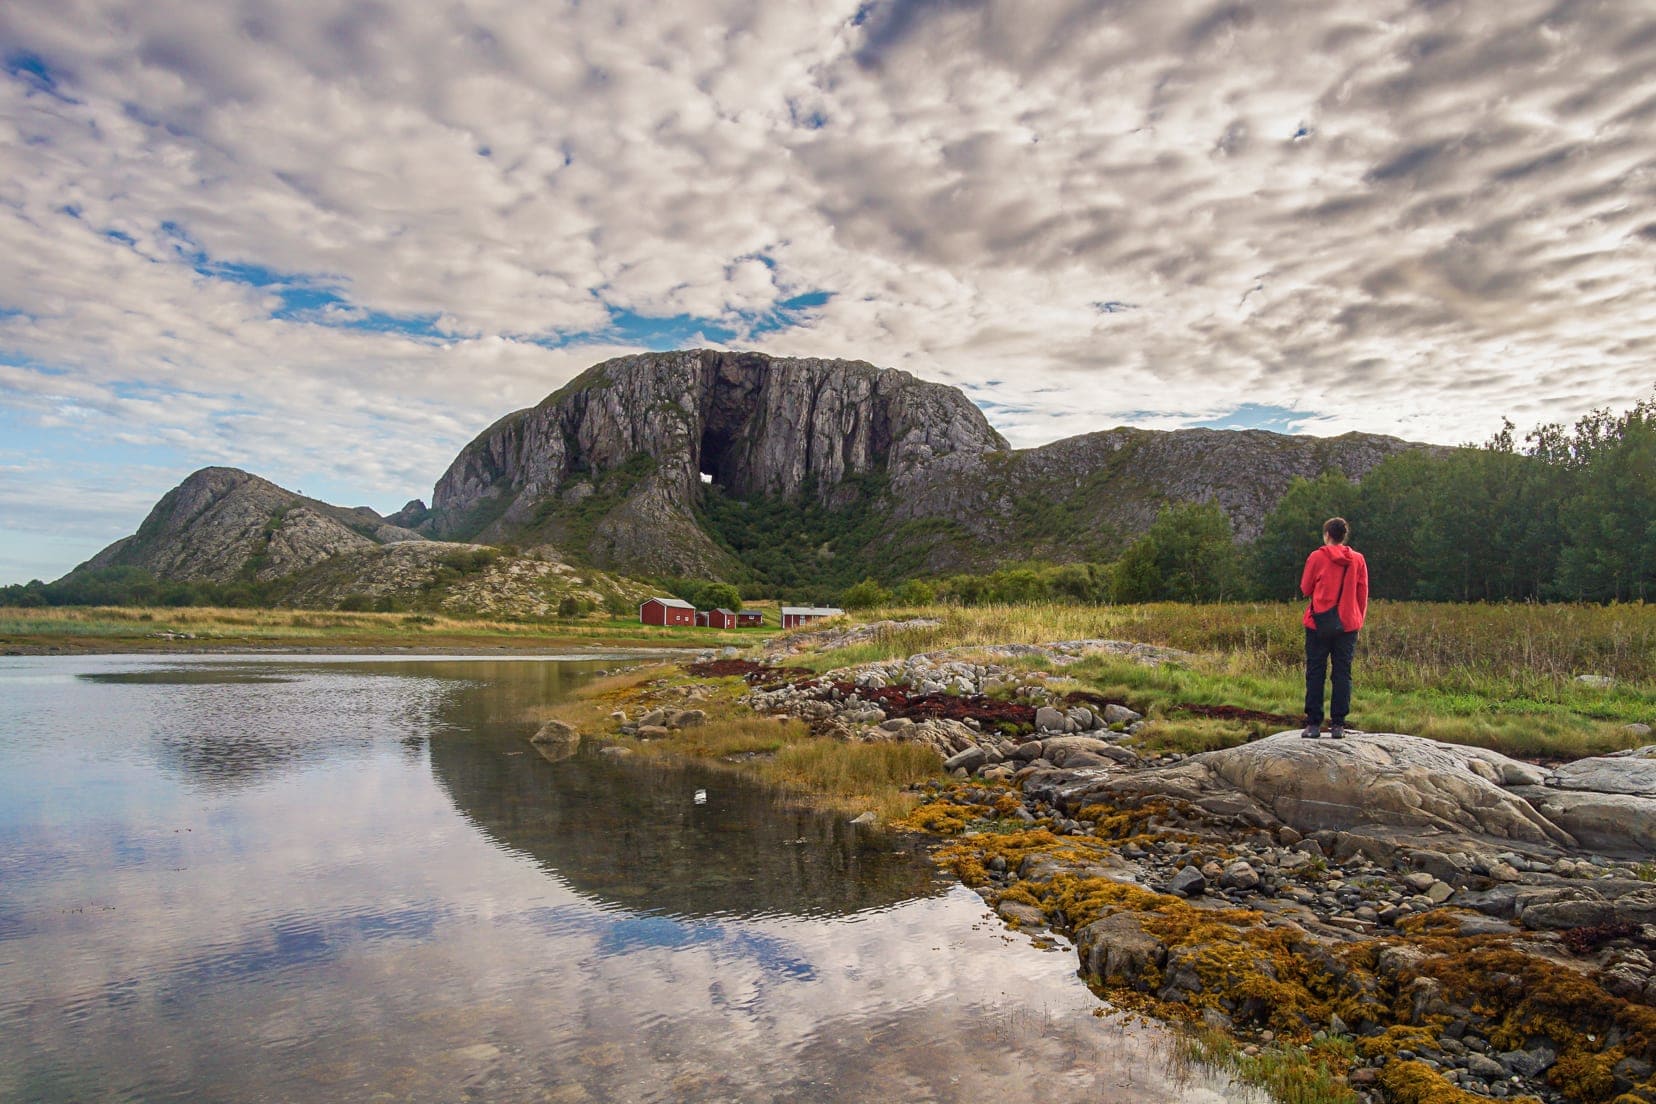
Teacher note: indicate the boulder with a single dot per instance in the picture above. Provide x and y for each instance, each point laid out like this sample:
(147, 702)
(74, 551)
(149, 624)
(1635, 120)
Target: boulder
(1119, 714)
(1048, 719)
(1117, 951)
(1080, 751)
(969, 760)
(1188, 882)
(556, 732)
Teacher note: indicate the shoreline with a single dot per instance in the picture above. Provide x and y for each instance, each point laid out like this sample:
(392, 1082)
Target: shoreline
(1326, 965)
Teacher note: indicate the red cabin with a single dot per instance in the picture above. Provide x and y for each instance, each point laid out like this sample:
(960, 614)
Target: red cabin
(667, 611)
(701, 619)
(721, 619)
(747, 619)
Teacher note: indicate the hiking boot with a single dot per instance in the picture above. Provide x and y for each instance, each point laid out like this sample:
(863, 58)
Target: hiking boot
(1312, 731)
(1337, 730)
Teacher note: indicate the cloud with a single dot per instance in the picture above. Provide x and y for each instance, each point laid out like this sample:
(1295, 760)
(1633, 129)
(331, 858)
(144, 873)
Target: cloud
(318, 235)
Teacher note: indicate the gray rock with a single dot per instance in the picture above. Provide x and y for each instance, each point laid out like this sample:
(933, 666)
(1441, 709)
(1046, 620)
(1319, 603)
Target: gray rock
(1119, 714)
(1021, 914)
(1060, 750)
(1600, 681)
(1532, 1062)
(867, 819)
(1240, 875)
(1048, 719)
(1439, 892)
(969, 760)
(656, 717)
(1609, 823)
(1609, 775)
(1188, 882)
(1485, 1067)
(691, 718)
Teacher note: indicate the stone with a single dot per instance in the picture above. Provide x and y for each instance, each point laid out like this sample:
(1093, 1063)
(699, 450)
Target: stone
(1188, 882)
(867, 819)
(1061, 750)
(1600, 681)
(1419, 881)
(1485, 1067)
(654, 717)
(1119, 714)
(556, 732)
(969, 760)
(1048, 719)
(1117, 951)
(1439, 892)
(1608, 774)
(1531, 1062)
(653, 732)
(1240, 875)
(1022, 914)
(691, 718)
(1609, 823)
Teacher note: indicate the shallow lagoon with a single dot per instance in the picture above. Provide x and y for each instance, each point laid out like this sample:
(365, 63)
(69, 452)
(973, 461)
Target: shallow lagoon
(313, 879)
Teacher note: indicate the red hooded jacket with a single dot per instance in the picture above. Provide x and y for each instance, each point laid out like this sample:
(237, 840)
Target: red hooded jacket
(1321, 579)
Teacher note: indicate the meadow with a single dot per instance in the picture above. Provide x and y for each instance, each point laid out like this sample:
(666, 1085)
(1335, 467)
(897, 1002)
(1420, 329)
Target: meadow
(1504, 676)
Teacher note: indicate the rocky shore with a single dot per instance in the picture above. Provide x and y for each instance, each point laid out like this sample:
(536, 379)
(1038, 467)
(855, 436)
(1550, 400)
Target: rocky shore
(1434, 922)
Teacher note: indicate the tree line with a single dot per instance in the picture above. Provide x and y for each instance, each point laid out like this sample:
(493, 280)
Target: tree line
(1567, 514)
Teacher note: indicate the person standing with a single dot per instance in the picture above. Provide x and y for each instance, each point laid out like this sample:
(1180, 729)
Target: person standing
(1336, 581)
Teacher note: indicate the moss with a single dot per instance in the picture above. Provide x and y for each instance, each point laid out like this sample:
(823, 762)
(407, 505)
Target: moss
(1418, 1083)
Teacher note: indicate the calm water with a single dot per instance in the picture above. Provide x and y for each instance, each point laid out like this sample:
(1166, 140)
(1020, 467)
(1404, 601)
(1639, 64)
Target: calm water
(313, 880)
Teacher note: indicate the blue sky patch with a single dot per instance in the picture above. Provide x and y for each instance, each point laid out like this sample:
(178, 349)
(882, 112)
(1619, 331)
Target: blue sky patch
(1277, 419)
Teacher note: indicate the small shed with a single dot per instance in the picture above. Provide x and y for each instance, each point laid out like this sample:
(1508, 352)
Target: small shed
(666, 611)
(721, 618)
(794, 616)
(747, 619)
(702, 620)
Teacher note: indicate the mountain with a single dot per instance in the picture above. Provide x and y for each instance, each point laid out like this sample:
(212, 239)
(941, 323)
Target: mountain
(634, 463)
(227, 527)
(611, 464)
(722, 465)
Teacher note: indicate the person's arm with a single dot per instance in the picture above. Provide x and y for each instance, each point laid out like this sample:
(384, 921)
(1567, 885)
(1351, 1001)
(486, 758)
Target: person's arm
(1362, 588)
(1308, 577)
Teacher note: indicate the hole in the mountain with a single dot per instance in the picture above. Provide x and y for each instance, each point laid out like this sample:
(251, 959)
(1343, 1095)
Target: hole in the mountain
(714, 459)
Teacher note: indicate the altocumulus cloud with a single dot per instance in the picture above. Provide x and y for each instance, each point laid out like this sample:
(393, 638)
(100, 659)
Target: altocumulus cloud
(331, 241)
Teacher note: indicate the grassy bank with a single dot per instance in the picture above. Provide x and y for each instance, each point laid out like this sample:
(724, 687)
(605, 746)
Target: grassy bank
(1499, 676)
(850, 777)
(129, 629)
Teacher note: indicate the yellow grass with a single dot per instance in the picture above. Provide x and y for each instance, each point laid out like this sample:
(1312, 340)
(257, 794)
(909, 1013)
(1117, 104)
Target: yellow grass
(118, 628)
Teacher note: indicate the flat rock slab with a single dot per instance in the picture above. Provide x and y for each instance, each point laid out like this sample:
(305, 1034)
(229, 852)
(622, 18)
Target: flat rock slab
(1379, 779)
(1618, 824)
(1609, 774)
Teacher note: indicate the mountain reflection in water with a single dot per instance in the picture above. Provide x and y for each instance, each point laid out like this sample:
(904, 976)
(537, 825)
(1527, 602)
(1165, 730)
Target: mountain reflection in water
(243, 880)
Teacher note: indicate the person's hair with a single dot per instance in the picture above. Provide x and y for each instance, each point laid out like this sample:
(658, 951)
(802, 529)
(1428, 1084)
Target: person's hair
(1337, 528)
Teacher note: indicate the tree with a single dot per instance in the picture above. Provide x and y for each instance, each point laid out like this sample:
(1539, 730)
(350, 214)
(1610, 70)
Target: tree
(1294, 529)
(1187, 555)
(865, 595)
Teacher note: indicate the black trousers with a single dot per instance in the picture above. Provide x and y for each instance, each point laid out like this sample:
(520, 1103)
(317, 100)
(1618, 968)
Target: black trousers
(1317, 654)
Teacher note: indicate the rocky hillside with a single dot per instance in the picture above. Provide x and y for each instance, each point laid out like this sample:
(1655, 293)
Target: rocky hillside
(225, 526)
(1082, 497)
(612, 467)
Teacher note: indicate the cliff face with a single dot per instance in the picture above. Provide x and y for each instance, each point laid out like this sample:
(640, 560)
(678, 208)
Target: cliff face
(221, 524)
(614, 459)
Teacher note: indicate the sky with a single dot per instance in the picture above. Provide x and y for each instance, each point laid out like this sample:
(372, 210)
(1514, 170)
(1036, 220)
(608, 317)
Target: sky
(330, 242)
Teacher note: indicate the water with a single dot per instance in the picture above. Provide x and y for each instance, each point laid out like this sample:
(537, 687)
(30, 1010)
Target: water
(304, 879)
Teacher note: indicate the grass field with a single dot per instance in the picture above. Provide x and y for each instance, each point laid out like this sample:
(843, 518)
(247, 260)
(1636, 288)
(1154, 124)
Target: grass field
(1500, 676)
(123, 629)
